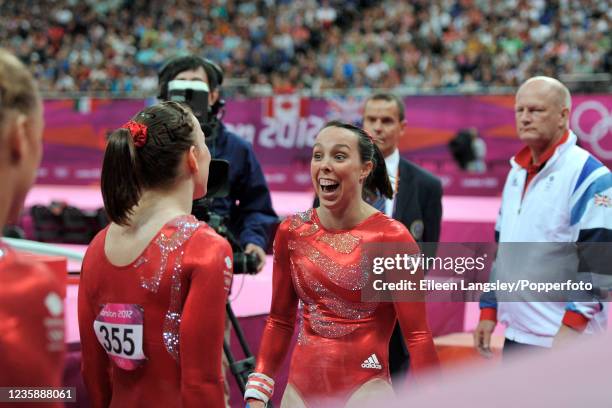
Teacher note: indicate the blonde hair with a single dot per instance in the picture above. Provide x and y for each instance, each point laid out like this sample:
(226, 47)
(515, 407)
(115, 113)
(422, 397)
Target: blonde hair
(18, 89)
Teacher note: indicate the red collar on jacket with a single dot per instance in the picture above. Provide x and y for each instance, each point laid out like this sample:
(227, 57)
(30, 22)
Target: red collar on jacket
(524, 158)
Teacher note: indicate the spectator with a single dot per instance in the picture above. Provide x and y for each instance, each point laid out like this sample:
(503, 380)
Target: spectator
(495, 44)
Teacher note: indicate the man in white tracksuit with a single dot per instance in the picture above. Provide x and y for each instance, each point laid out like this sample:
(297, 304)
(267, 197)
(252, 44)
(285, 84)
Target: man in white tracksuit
(556, 192)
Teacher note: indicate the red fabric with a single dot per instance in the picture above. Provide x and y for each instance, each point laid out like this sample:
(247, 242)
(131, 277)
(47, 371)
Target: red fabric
(193, 381)
(56, 264)
(575, 320)
(338, 334)
(488, 313)
(138, 131)
(31, 324)
(524, 158)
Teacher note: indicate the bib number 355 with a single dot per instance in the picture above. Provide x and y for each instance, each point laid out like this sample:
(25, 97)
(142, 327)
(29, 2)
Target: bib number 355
(119, 329)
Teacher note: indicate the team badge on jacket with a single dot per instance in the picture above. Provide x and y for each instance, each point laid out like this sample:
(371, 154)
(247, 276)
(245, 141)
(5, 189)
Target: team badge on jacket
(602, 200)
(416, 229)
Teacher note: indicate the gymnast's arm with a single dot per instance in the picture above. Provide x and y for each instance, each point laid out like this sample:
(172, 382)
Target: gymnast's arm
(281, 322)
(412, 317)
(201, 335)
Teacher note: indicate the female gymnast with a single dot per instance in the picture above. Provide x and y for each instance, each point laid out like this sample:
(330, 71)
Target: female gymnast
(154, 283)
(31, 307)
(341, 358)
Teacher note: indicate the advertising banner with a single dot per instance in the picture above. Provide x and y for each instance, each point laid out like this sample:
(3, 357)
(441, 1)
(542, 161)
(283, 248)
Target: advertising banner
(282, 130)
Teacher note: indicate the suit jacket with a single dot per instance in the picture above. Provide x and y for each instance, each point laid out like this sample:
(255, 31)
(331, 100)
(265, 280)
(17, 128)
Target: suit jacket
(418, 204)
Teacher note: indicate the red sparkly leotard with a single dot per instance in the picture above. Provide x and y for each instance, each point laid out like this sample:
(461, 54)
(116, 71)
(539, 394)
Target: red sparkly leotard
(31, 325)
(180, 284)
(343, 341)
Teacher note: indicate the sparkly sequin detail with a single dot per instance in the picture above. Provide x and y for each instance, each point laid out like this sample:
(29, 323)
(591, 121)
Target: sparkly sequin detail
(172, 320)
(300, 219)
(351, 277)
(321, 325)
(301, 339)
(141, 261)
(327, 314)
(344, 242)
(343, 308)
(313, 228)
(185, 227)
(328, 328)
(304, 300)
(299, 285)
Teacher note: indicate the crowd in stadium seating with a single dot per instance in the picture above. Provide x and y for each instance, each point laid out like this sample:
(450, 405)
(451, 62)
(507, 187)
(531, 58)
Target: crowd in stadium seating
(285, 45)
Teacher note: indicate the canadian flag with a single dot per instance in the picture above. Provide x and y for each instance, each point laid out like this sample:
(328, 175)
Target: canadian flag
(285, 108)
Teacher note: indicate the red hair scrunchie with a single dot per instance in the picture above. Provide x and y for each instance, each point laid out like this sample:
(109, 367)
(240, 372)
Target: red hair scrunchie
(138, 131)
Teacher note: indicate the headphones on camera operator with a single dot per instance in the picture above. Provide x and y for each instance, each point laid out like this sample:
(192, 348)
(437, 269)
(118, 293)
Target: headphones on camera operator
(195, 94)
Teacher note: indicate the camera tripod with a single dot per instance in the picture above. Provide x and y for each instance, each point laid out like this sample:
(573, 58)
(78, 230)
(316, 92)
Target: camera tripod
(239, 368)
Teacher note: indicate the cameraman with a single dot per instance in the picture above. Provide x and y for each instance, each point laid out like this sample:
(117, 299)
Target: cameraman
(247, 207)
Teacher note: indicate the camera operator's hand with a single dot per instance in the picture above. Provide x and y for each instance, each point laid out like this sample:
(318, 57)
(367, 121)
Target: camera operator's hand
(261, 254)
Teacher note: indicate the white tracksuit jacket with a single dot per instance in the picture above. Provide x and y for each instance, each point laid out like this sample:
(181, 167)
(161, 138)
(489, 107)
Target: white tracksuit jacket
(568, 201)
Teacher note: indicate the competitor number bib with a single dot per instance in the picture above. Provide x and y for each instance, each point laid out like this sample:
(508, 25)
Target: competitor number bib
(119, 329)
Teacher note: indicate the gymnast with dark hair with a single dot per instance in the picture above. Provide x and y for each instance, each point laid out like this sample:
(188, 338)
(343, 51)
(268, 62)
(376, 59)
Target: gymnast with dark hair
(154, 283)
(342, 352)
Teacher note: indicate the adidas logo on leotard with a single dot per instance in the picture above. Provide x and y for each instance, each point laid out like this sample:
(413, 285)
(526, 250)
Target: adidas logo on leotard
(371, 362)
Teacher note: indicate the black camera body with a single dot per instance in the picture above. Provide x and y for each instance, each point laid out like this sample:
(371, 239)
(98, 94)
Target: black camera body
(192, 93)
(243, 263)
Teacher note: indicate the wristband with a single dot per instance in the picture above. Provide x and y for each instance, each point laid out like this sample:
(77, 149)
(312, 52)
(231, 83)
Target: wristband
(260, 387)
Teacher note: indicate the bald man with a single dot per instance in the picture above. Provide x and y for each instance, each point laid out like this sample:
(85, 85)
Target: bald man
(558, 193)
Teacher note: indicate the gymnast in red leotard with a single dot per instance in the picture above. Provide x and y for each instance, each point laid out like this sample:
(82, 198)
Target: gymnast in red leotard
(154, 283)
(342, 352)
(31, 307)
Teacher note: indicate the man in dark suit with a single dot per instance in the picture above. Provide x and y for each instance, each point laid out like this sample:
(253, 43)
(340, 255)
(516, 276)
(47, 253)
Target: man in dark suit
(417, 201)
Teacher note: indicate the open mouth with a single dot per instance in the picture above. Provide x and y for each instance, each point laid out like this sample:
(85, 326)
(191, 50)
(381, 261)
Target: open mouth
(328, 186)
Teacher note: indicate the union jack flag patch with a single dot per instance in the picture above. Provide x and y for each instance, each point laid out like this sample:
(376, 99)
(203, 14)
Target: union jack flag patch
(602, 200)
